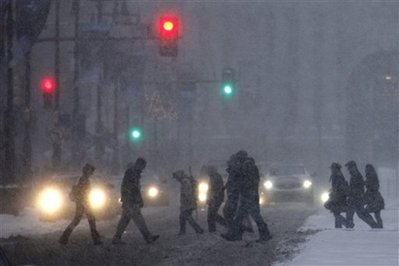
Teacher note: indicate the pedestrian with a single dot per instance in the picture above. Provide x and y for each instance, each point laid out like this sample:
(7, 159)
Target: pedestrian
(337, 202)
(233, 186)
(188, 202)
(249, 204)
(216, 197)
(132, 202)
(80, 194)
(374, 202)
(355, 199)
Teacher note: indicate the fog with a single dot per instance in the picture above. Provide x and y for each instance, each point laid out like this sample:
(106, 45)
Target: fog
(315, 83)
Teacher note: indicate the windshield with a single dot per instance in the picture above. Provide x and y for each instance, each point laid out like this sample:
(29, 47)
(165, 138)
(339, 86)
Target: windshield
(287, 170)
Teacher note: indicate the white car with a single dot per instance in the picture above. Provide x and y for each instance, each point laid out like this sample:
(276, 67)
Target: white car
(287, 182)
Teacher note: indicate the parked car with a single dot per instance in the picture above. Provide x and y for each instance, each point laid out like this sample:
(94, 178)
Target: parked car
(53, 203)
(287, 182)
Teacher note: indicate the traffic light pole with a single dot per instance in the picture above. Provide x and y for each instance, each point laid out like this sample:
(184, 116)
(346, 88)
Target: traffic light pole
(57, 147)
(9, 120)
(99, 147)
(27, 144)
(77, 151)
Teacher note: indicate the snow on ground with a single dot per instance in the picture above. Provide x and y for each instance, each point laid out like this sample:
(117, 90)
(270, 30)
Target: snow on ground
(27, 223)
(358, 246)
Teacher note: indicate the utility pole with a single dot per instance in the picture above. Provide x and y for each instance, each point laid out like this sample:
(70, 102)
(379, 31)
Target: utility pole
(57, 56)
(78, 120)
(9, 120)
(99, 149)
(27, 145)
(115, 159)
(57, 132)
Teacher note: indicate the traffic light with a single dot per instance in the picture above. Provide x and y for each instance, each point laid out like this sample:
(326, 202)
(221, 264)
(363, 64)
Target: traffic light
(136, 134)
(168, 35)
(228, 82)
(47, 86)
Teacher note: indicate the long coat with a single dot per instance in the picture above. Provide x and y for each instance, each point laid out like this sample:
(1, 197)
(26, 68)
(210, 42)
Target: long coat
(338, 194)
(188, 199)
(356, 194)
(130, 188)
(373, 199)
(216, 189)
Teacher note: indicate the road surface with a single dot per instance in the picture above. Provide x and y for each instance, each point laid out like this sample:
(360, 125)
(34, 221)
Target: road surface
(169, 249)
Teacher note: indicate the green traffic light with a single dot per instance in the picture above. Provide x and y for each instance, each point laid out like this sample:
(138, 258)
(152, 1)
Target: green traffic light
(135, 134)
(228, 89)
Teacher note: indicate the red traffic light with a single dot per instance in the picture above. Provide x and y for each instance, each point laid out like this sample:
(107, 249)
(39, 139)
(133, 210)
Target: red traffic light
(47, 85)
(169, 28)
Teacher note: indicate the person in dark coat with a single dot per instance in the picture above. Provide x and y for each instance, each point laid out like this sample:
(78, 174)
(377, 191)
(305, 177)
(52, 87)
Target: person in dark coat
(233, 186)
(216, 197)
(374, 202)
(355, 199)
(188, 201)
(339, 192)
(249, 204)
(132, 202)
(81, 198)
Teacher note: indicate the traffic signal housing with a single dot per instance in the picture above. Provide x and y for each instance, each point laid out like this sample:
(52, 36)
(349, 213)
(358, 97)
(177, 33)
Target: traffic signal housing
(48, 86)
(168, 35)
(228, 82)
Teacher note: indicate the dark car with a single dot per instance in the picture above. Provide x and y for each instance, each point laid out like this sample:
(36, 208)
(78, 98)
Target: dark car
(287, 182)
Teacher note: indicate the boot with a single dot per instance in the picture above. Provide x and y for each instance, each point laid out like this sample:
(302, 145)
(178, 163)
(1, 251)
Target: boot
(199, 231)
(151, 239)
(118, 241)
(65, 236)
(264, 238)
(230, 237)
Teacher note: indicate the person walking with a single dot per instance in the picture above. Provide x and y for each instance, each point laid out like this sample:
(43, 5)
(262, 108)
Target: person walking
(132, 202)
(373, 200)
(355, 199)
(80, 194)
(249, 204)
(233, 183)
(339, 192)
(188, 202)
(216, 197)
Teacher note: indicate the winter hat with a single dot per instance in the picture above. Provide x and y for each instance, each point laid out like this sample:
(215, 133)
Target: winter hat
(335, 166)
(350, 164)
(88, 167)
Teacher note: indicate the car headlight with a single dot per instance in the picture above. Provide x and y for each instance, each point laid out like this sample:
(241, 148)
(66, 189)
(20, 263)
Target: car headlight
(268, 185)
(97, 198)
(307, 184)
(203, 187)
(153, 192)
(262, 200)
(50, 200)
(325, 196)
(202, 197)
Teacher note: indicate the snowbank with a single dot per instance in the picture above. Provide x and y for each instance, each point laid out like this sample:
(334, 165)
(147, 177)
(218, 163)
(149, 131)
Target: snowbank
(27, 223)
(358, 246)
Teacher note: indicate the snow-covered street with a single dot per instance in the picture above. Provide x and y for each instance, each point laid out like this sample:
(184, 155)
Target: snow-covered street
(36, 243)
(358, 246)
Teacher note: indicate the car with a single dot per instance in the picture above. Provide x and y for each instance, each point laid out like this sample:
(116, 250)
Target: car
(287, 182)
(221, 165)
(52, 201)
(154, 191)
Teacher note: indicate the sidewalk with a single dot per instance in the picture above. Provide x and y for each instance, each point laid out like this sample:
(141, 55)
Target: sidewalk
(358, 246)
